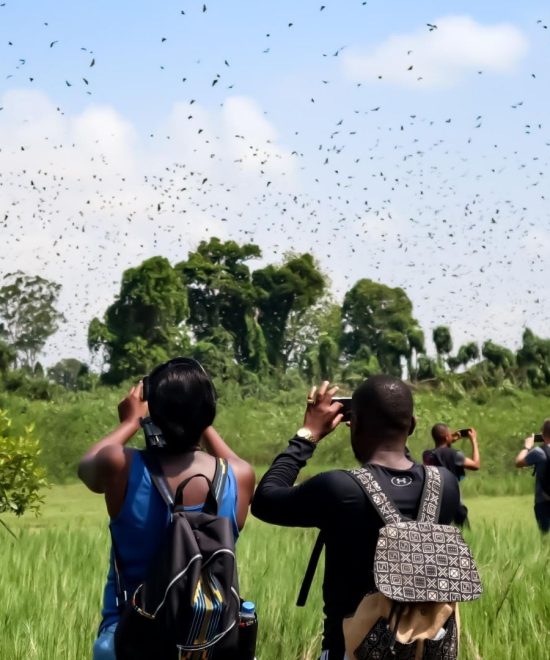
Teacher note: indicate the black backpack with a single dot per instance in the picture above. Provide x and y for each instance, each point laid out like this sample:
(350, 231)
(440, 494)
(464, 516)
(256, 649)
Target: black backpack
(188, 606)
(545, 480)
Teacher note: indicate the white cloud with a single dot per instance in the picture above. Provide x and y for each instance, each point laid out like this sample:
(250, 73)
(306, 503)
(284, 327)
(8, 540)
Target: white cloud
(440, 57)
(83, 197)
(248, 125)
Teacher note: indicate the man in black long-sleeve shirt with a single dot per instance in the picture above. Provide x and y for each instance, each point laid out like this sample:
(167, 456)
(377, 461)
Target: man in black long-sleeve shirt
(381, 420)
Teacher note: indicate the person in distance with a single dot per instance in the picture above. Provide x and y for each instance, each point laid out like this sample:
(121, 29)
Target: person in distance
(381, 421)
(181, 403)
(539, 458)
(445, 455)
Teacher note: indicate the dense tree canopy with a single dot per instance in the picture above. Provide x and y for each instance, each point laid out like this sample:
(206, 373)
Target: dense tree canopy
(466, 354)
(498, 356)
(248, 326)
(378, 319)
(292, 287)
(145, 324)
(70, 373)
(7, 356)
(28, 314)
(534, 358)
(221, 294)
(443, 341)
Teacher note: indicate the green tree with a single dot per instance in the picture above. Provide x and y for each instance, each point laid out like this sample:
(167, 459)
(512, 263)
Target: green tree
(312, 339)
(534, 358)
(70, 373)
(145, 324)
(282, 290)
(379, 318)
(7, 356)
(443, 342)
(21, 477)
(28, 314)
(221, 294)
(363, 365)
(500, 357)
(465, 355)
(417, 346)
(427, 368)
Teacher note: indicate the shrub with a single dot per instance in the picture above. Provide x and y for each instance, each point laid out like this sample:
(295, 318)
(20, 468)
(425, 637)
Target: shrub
(21, 478)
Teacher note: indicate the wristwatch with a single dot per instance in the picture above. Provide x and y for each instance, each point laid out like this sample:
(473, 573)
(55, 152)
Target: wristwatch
(305, 434)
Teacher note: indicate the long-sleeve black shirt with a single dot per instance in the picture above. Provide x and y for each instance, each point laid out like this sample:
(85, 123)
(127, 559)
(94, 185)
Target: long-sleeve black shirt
(335, 503)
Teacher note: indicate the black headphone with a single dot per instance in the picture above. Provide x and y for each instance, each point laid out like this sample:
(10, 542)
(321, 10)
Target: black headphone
(171, 363)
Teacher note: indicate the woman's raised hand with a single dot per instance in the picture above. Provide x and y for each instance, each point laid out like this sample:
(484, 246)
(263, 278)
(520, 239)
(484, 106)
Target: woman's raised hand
(132, 408)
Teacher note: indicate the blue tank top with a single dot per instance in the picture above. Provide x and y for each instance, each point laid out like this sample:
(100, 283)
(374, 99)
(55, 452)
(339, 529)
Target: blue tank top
(138, 531)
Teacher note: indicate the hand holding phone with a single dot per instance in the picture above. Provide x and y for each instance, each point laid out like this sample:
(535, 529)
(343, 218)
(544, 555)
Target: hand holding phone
(346, 406)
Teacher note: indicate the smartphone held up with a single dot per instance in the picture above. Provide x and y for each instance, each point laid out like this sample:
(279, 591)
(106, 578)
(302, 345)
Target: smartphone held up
(346, 406)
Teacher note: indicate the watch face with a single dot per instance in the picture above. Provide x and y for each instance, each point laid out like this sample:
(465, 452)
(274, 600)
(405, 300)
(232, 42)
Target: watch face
(304, 433)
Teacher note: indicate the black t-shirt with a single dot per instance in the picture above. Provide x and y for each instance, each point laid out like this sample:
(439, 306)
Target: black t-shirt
(336, 504)
(447, 457)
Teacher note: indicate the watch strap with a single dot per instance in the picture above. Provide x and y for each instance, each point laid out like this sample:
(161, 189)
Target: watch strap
(306, 434)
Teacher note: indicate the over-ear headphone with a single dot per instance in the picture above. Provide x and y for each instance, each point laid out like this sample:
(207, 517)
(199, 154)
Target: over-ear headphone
(171, 363)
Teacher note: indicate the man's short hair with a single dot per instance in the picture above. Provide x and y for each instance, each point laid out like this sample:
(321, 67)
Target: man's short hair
(439, 432)
(385, 402)
(546, 428)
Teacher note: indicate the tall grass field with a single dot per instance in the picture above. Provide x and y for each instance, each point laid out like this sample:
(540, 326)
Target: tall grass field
(257, 429)
(51, 578)
(51, 582)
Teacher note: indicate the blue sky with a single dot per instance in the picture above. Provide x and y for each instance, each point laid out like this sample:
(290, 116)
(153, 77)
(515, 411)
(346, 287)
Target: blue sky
(431, 177)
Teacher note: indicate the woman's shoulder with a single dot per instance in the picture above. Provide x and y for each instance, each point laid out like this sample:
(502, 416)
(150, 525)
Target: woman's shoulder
(243, 471)
(113, 460)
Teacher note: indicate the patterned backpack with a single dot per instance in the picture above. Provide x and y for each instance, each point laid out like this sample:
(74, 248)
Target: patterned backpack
(421, 571)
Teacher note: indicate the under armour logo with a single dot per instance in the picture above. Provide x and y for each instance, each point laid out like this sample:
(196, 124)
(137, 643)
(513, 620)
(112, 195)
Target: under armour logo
(401, 481)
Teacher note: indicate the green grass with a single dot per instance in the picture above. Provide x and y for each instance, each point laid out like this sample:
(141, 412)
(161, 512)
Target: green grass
(51, 581)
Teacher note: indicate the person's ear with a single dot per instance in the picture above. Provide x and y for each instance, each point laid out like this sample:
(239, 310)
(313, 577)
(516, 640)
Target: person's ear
(412, 426)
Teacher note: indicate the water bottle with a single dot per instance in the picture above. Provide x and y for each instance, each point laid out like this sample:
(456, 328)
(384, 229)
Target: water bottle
(248, 631)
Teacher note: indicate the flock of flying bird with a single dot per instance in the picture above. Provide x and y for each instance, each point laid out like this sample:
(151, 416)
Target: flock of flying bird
(410, 198)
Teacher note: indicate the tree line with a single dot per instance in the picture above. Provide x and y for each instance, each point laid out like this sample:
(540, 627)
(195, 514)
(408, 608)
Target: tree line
(250, 326)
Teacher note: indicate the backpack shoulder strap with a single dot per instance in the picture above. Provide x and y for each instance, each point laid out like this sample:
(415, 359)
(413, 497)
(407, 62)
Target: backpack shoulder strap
(383, 505)
(310, 570)
(546, 450)
(432, 495)
(157, 476)
(220, 479)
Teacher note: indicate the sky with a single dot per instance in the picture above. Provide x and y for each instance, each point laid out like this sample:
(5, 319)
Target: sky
(402, 142)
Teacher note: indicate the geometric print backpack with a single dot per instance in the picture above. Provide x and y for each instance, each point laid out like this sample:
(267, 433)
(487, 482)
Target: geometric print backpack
(422, 570)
